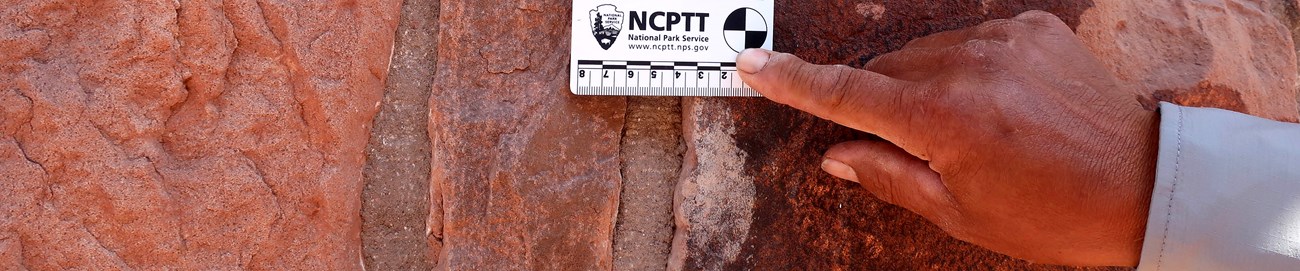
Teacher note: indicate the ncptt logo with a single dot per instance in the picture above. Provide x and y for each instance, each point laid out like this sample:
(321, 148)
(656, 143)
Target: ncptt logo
(607, 23)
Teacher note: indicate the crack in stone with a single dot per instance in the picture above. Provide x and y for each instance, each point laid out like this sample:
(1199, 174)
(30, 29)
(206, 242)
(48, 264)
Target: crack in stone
(18, 242)
(261, 176)
(31, 106)
(181, 70)
(116, 258)
(167, 191)
(275, 198)
(495, 69)
(266, 22)
(48, 184)
(23, 151)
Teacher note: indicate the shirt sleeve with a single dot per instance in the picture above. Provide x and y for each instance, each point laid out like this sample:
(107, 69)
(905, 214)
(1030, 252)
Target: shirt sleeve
(1227, 193)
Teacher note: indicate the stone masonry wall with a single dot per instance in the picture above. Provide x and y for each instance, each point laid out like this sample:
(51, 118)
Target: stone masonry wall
(390, 135)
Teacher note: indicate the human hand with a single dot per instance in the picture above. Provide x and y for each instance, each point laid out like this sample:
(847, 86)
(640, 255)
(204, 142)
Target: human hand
(1009, 135)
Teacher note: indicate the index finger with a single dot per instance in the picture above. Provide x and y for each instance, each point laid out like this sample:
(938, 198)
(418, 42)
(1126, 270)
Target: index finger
(856, 98)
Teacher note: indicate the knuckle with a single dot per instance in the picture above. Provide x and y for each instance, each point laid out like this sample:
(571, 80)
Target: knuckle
(997, 24)
(1008, 30)
(804, 76)
(841, 88)
(907, 57)
(881, 186)
(982, 54)
(938, 97)
(975, 52)
(1001, 29)
(797, 75)
(1039, 17)
(938, 39)
(945, 85)
(1034, 15)
(888, 60)
(879, 62)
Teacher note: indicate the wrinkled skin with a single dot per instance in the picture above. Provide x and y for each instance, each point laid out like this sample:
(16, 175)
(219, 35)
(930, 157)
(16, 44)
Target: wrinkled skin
(1009, 135)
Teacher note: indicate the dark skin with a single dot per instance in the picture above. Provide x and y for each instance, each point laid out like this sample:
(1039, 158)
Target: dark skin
(1010, 135)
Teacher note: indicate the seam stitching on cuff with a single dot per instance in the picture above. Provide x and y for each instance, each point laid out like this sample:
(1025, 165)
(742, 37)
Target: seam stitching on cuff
(1169, 210)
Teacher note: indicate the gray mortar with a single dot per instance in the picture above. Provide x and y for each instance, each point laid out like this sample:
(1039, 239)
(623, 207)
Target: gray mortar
(395, 200)
(651, 150)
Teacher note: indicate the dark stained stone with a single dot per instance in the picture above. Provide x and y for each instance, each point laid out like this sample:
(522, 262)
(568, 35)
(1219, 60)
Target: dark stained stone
(753, 196)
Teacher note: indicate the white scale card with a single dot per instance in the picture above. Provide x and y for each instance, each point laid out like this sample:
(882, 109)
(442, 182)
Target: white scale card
(665, 47)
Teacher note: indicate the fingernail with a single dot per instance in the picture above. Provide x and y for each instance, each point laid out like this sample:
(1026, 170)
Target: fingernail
(752, 60)
(839, 170)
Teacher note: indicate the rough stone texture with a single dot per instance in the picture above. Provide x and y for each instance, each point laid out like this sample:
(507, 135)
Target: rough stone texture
(231, 135)
(752, 196)
(715, 200)
(186, 135)
(1289, 12)
(652, 153)
(1231, 54)
(526, 174)
(395, 200)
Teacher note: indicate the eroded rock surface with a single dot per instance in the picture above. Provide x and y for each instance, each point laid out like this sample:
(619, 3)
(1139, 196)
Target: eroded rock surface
(526, 174)
(651, 151)
(186, 135)
(1230, 54)
(233, 135)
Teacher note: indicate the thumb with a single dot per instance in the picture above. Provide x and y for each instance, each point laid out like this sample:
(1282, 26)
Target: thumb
(856, 98)
(891, 174)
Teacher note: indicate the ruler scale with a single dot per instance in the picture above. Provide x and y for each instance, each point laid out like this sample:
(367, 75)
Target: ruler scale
(666, 47)
(602, 77)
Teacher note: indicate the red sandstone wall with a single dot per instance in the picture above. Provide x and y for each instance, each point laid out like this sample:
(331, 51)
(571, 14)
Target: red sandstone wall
(186, 135)
(232, 135)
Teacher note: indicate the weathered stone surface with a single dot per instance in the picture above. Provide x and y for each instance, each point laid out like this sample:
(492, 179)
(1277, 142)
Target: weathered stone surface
(526, 174)
(1231, 54)
(395, 200)
(1289, 12)
(651, 151)
(186, 135)
(228, 135)
(752, 196)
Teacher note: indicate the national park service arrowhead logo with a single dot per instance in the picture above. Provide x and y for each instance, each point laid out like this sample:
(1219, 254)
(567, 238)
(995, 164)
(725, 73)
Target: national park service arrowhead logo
(607, 22)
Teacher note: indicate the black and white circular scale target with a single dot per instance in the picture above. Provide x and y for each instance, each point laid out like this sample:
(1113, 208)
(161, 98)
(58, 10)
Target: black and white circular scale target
(745, 28)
